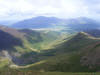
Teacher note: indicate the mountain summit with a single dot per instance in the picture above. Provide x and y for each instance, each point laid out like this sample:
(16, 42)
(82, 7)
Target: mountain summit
(37, 22)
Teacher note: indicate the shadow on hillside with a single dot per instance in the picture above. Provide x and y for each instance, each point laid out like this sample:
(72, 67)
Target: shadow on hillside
(8, 41)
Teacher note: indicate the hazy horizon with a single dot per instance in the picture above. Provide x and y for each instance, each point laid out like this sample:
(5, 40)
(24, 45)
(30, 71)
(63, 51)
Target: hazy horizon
(16, 10)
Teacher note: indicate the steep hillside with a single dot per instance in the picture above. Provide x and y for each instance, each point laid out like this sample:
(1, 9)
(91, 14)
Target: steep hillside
(27, 38)
(79, 54)
(8, 41)
(75, 43)
(49, 51)
(38, 39)
(23, 46)
(9, 38)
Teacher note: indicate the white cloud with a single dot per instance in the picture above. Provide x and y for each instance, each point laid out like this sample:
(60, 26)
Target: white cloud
(21, 9)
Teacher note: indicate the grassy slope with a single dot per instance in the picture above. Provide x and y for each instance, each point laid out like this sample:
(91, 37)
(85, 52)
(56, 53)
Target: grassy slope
(35, 41)
(69, 58)
(65, 62)
(41, 40)
(3, 62)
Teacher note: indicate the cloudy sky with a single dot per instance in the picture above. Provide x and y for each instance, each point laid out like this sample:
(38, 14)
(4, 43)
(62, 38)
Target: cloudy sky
(14, 10)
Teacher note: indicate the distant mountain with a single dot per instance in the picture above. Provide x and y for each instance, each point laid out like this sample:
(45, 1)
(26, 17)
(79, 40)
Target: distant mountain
(37, 22)
(83, 23)
(69, 25)
(94, 32)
